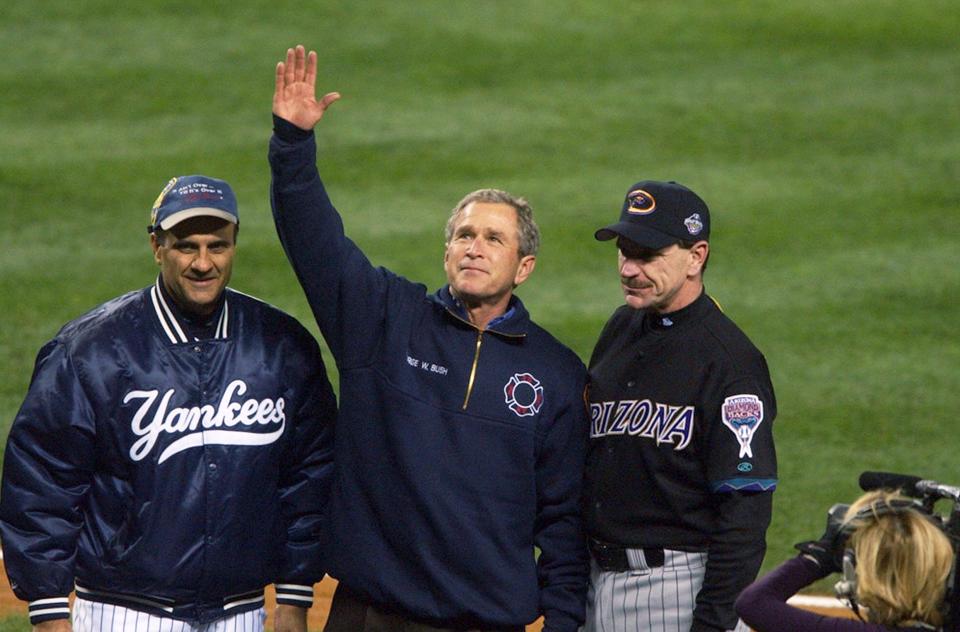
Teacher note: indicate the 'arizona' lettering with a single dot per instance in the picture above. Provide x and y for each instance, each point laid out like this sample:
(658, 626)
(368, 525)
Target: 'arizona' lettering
(643, 418)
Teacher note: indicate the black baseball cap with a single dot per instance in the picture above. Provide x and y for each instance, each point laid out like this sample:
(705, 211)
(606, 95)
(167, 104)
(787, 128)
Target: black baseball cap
(659, 214)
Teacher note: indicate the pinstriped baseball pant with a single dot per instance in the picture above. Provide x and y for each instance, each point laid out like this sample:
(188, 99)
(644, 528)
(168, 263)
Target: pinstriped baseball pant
(91, 616)
(645, 599)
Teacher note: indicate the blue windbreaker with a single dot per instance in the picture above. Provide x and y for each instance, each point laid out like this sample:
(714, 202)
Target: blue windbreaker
(457, 450)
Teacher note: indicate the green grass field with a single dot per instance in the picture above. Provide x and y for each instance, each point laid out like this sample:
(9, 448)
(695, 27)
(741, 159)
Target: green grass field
(825, 136)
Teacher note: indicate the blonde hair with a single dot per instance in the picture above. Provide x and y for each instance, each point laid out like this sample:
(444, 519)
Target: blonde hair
(903, 560)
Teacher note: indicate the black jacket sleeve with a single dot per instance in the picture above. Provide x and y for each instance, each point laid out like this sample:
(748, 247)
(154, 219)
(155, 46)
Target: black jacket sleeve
(346, 293)
(563, 566)
(305, 483)
(734, 558)
(48, 464)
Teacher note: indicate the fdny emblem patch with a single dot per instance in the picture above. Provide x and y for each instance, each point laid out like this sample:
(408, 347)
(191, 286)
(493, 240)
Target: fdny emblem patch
(694, 224)
(742, 414)
(523, 394)
(640, 202)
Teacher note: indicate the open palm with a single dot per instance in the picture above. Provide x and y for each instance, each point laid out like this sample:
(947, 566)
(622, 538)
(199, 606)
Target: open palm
(295, 96)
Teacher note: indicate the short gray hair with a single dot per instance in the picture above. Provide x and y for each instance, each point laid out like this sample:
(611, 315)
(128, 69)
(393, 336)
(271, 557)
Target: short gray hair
(528, 234)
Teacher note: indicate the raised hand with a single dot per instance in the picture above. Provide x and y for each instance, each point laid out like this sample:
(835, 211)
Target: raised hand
(295, 97)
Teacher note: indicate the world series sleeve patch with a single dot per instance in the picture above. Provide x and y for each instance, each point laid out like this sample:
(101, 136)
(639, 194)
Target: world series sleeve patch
(742, 414)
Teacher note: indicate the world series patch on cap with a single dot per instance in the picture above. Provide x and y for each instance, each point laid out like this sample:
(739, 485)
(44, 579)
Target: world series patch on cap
(658, 214)
(193, 196)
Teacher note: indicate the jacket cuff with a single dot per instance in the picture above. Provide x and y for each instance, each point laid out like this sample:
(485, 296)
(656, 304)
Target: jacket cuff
(48, 609)
(700, 626)
(294, 595)
(559, 621)
(288, 132)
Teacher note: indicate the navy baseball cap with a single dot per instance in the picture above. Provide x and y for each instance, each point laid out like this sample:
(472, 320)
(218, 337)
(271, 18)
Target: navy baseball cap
(658, 214)
(193, 196)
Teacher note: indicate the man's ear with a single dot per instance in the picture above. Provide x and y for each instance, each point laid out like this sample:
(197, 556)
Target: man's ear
(698, 257)
(155, 246)
(525, 269)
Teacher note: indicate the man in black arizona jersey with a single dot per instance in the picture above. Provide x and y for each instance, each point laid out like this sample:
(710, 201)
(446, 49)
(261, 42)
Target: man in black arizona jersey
(681, 463)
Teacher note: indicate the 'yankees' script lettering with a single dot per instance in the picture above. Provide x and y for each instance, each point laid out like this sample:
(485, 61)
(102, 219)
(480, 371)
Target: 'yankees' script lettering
(202, 425)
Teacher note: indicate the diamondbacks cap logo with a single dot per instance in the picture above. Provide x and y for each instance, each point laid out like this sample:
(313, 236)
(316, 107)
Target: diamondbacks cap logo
(639, 202)
(523, 394)
(742, 414)
(694, 224)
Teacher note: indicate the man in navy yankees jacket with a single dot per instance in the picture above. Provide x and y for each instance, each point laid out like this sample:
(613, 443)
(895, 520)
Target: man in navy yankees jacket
(174, 450)
(462, 433)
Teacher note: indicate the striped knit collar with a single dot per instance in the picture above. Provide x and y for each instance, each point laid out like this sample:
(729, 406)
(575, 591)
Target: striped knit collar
(173, 323)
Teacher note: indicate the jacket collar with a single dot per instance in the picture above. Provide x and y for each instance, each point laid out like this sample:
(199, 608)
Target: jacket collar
(696, 310)
(514, 322)
(176, 325)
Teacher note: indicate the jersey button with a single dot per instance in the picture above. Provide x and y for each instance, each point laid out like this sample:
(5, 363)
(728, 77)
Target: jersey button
(631, 383)
(212, 467)
(197, 348)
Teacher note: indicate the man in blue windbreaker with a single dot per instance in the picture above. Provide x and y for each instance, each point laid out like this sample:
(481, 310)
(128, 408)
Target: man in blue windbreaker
(174, 451)
(461, 440)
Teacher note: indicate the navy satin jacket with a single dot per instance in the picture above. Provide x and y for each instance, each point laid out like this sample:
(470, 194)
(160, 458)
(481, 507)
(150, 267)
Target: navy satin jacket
(173, 475)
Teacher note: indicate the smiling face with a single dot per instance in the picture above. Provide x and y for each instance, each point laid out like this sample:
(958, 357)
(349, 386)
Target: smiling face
(196, 260)
(663, 280)
(482, 259)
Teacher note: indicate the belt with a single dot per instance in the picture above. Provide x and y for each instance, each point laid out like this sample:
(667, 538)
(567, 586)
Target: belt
(184, 611)
(613, 557)
(350, 611)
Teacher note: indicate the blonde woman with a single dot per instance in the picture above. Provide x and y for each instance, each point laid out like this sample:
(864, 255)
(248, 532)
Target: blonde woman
(903, 560)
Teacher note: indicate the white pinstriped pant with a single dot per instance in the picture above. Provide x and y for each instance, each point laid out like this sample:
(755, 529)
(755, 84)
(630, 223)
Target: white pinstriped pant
(91, 616)
(644, 599)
